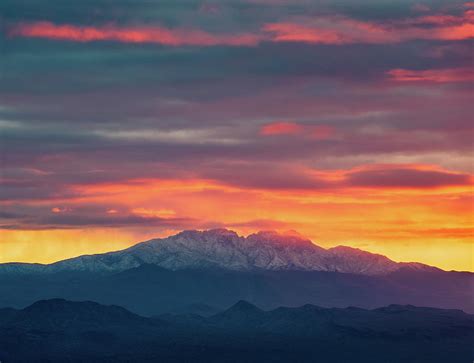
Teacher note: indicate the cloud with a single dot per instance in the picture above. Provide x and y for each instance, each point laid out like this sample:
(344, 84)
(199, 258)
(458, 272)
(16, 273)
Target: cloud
(80, 215)
(421, 8)
(153, 213)
(59, 210)
(415, 177)
(340, 30)
(432, 75)
(155, 34)
(328, 29)
(316, 132)
(281, 128)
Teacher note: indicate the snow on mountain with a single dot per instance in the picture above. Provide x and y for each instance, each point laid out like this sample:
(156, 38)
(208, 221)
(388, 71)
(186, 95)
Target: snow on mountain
(222, 248)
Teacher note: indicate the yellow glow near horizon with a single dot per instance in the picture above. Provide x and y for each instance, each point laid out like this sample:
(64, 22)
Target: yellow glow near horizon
(429, 226)
(55, 245)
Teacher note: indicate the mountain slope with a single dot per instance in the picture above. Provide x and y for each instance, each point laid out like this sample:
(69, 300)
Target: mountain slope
(151, 290)
(221, 248)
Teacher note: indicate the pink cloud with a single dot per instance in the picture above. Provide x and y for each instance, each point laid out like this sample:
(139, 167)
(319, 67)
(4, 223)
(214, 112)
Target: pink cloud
(322, 132)
(318, 132)
(318, 30)
(281, 128)
(432, 75)
(159, 35)
(343, 30)
(292, 32)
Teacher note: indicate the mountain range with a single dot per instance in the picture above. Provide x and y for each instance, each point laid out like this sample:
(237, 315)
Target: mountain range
(224, 249)
(203, 272)
(57, 330)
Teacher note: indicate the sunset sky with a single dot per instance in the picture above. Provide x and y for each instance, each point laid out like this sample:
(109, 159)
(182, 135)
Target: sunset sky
(349, 122)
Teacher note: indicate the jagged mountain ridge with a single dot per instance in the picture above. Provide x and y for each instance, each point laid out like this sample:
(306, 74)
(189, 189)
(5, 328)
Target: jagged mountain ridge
(222, 248)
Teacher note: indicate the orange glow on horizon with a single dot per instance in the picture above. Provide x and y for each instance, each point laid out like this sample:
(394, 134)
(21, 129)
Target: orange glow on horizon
(430, 225)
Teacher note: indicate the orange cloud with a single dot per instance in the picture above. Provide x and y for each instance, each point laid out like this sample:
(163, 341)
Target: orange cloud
(432, 75)
(159, 35)
(59, 210)
(158, 213)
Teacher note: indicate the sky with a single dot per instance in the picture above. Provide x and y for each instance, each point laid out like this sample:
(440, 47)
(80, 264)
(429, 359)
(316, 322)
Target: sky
(348, 122)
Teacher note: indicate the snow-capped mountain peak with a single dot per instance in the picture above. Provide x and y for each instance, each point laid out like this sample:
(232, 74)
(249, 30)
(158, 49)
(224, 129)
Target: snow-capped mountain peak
(225, 249)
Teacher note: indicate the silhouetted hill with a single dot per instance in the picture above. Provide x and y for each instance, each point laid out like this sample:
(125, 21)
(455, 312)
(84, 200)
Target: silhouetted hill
(195, 309)
(58, 330)
(242, 314)
(60, 314)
